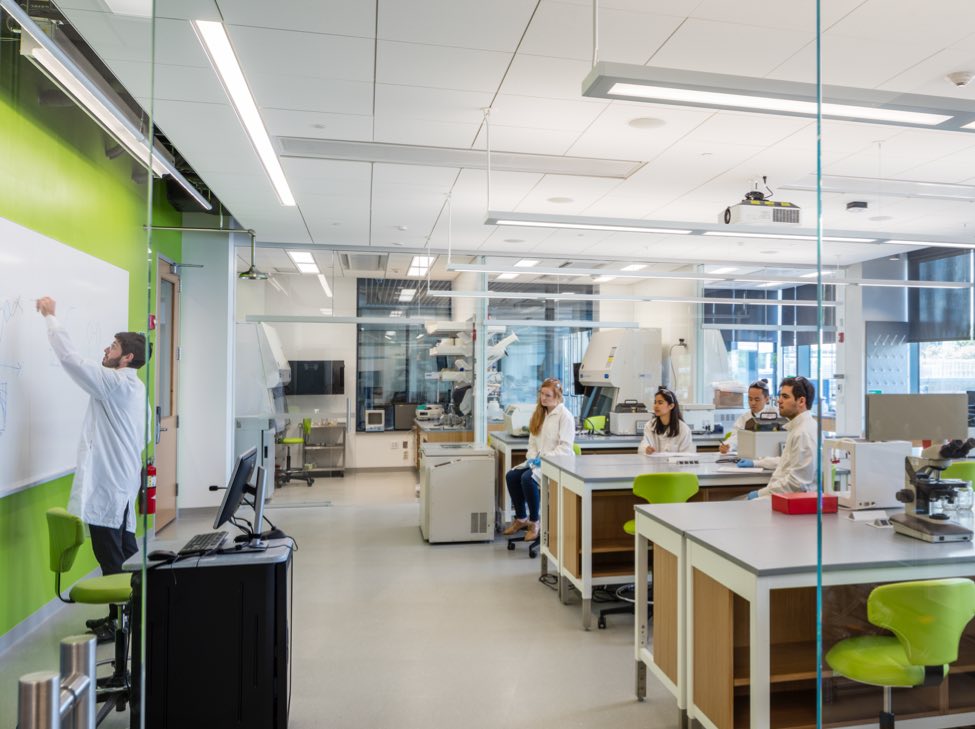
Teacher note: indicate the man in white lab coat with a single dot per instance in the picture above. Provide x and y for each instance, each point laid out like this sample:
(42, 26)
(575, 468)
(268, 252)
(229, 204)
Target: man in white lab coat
(108, 473)
(795, 469)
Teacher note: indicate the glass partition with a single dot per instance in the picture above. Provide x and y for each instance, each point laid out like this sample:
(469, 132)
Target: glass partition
(77, 193)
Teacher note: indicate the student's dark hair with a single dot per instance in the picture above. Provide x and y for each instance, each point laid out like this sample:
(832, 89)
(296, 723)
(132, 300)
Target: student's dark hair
(761, 384)
(133, 343)
(673, 427)
(801, 387)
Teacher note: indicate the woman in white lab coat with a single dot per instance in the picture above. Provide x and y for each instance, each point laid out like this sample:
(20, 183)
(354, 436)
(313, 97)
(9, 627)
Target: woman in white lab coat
(552, 431)
(758, 400)
(666, 432)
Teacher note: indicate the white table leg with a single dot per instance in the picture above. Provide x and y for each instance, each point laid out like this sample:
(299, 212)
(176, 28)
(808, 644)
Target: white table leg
(587, 559)
(641, 570)
(759, 654)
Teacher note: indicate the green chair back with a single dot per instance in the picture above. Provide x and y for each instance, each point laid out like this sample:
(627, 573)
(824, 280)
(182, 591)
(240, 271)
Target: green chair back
(577, 449)
(594, 423)
(306, 426)
(965, 470)
(927, 616)
(66, 534)
(665, 488)
(662, 488)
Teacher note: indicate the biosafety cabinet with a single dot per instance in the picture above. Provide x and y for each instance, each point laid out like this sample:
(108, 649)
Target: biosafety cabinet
(625, 364)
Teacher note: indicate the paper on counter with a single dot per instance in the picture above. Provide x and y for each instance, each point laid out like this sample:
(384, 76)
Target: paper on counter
(735, 469)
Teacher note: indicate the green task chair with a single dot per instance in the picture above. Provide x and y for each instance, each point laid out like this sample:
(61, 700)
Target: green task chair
(927, 619)
(577, 449)
(964, 470)
(66, 534)
(654, 488)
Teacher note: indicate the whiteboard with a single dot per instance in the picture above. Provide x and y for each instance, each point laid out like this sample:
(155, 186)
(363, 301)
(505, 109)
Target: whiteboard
(41, 409)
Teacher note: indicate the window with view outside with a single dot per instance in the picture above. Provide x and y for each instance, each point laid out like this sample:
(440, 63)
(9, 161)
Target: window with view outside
(946, 366)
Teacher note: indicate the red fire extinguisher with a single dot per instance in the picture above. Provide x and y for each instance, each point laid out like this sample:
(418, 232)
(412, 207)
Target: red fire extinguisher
(149, 505)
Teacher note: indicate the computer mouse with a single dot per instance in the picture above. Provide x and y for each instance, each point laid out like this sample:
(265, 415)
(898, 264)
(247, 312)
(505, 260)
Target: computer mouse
(163, 555)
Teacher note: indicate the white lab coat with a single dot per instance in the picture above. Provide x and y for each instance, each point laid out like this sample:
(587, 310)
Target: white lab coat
(556, 437)
(108, 472)
(795, 469)
(740, 425)
(663, 443)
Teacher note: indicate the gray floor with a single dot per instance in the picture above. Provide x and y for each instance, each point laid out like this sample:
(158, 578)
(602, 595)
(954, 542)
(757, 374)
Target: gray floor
(392, 632)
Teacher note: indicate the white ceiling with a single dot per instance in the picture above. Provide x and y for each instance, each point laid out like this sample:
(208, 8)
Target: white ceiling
(422, 71)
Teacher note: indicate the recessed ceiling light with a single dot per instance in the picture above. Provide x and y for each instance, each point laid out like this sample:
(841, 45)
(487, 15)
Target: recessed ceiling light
(724, 269)
(507, 276)
(318, 126)
(560, 200)
(308, 268)
(646, 122)
(603, 279)
(301, 256)
(527, 263)
(396, 313)
(881, 218)
(767, 284)
(635, 267)
(402, 227)
(514, 240)
(769, 253)
(406, 295)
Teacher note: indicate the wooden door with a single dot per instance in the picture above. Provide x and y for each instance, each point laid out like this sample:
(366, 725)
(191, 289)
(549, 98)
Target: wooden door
(166, 359)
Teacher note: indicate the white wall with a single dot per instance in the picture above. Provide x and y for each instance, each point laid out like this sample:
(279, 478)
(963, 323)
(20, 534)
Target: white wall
(675, 321)
(205, 439)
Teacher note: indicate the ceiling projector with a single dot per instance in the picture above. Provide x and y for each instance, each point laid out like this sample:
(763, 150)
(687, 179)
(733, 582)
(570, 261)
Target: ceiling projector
(758, 208)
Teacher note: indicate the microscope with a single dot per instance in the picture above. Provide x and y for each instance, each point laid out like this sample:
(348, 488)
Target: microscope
(925, 492)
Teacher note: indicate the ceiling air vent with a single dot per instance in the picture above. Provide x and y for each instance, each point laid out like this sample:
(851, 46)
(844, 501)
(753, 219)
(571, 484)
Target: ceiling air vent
(374, 263)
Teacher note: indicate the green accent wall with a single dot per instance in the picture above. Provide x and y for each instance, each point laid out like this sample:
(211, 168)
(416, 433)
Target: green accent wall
(55, 178)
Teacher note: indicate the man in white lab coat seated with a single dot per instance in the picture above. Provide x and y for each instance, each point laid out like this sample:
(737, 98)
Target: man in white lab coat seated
(795, 469)
(108, 473)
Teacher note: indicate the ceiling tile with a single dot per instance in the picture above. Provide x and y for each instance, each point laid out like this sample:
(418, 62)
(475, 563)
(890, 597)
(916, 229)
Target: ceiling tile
(741, 49)
(558, 114)
(317, 125)
(582, 191)
(393, 129)
(412, 102)
(529, 141)
(772, 14)
(611, 136)
(411, 64)
(304, 55)
(565, 31)
(896, 22)
(494, 26)
(545, 78)
(209, 136)
(298, 93)
(336, 17)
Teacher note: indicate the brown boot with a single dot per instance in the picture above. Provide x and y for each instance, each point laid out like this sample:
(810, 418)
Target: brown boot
(532, 534)
(516, 526)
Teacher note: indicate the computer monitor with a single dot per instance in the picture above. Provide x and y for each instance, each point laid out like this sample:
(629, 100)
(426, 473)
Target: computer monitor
(234, 495)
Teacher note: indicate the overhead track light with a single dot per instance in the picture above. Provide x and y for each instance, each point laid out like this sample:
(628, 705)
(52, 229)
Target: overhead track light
(214, 38)
(66, 66)
(769, 96)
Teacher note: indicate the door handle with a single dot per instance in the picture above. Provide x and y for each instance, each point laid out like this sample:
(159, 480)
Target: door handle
(164, 430)
(158, 420)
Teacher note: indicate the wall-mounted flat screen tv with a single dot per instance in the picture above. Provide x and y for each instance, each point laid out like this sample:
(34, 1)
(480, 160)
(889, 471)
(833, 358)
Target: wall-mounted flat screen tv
(316, 377)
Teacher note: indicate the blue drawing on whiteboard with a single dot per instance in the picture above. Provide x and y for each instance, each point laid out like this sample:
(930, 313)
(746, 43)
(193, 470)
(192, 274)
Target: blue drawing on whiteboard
(3, 407)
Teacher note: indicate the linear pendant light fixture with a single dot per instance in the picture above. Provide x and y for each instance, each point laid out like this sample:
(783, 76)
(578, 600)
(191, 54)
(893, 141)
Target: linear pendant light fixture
(214, 38)
(68, 69)
(769, 96)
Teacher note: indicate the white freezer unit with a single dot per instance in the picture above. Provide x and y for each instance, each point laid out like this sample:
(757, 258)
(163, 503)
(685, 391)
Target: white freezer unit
(457, 492)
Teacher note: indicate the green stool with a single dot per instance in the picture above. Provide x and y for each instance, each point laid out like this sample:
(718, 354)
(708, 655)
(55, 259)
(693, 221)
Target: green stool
(66, 534)
(654, 488)
(577, 449)
(927, 619)
(285, 476)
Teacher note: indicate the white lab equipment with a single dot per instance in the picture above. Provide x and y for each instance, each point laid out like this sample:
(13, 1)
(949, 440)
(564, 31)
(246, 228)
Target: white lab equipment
(699, 417)
(864, 474)
(457, 492)
(624, 363)
(760, 444)
(517, 416)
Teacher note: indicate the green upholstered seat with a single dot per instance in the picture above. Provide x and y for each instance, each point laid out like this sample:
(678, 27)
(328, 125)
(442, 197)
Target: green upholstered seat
(577, 449)
(662, 488)
(103, 590)
(66, 534)
(927, 619)
(291, 441)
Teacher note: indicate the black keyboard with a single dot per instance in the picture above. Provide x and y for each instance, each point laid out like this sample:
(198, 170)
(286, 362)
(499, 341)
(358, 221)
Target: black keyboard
(203, 543)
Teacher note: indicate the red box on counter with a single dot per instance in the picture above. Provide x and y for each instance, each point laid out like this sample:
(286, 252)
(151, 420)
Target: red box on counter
(803, 503)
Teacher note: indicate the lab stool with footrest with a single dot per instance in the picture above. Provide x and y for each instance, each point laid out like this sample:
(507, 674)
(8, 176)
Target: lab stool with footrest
(66, 534)
(285, 475)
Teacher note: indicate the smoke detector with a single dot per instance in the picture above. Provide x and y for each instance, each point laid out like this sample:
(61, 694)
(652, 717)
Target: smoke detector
(960, 78)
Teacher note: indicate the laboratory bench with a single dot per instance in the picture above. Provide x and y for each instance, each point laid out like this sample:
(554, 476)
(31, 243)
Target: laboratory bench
(512, 450)
(585, 500)
(733, 635)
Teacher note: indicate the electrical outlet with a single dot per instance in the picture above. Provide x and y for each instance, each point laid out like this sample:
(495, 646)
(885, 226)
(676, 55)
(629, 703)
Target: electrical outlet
(405, 445)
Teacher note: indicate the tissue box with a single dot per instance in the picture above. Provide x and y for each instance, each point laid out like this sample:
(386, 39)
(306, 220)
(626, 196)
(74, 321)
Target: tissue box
(802, 503)
(729, 399)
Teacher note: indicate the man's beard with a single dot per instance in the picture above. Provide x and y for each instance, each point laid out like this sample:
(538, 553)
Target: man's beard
(111, 363)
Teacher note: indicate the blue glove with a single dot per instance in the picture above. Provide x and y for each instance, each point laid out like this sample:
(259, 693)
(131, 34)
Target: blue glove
(752, 495)
(535, 462)
(745, 463)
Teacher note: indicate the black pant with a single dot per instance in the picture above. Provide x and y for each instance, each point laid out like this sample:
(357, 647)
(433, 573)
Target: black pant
(112, 546)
